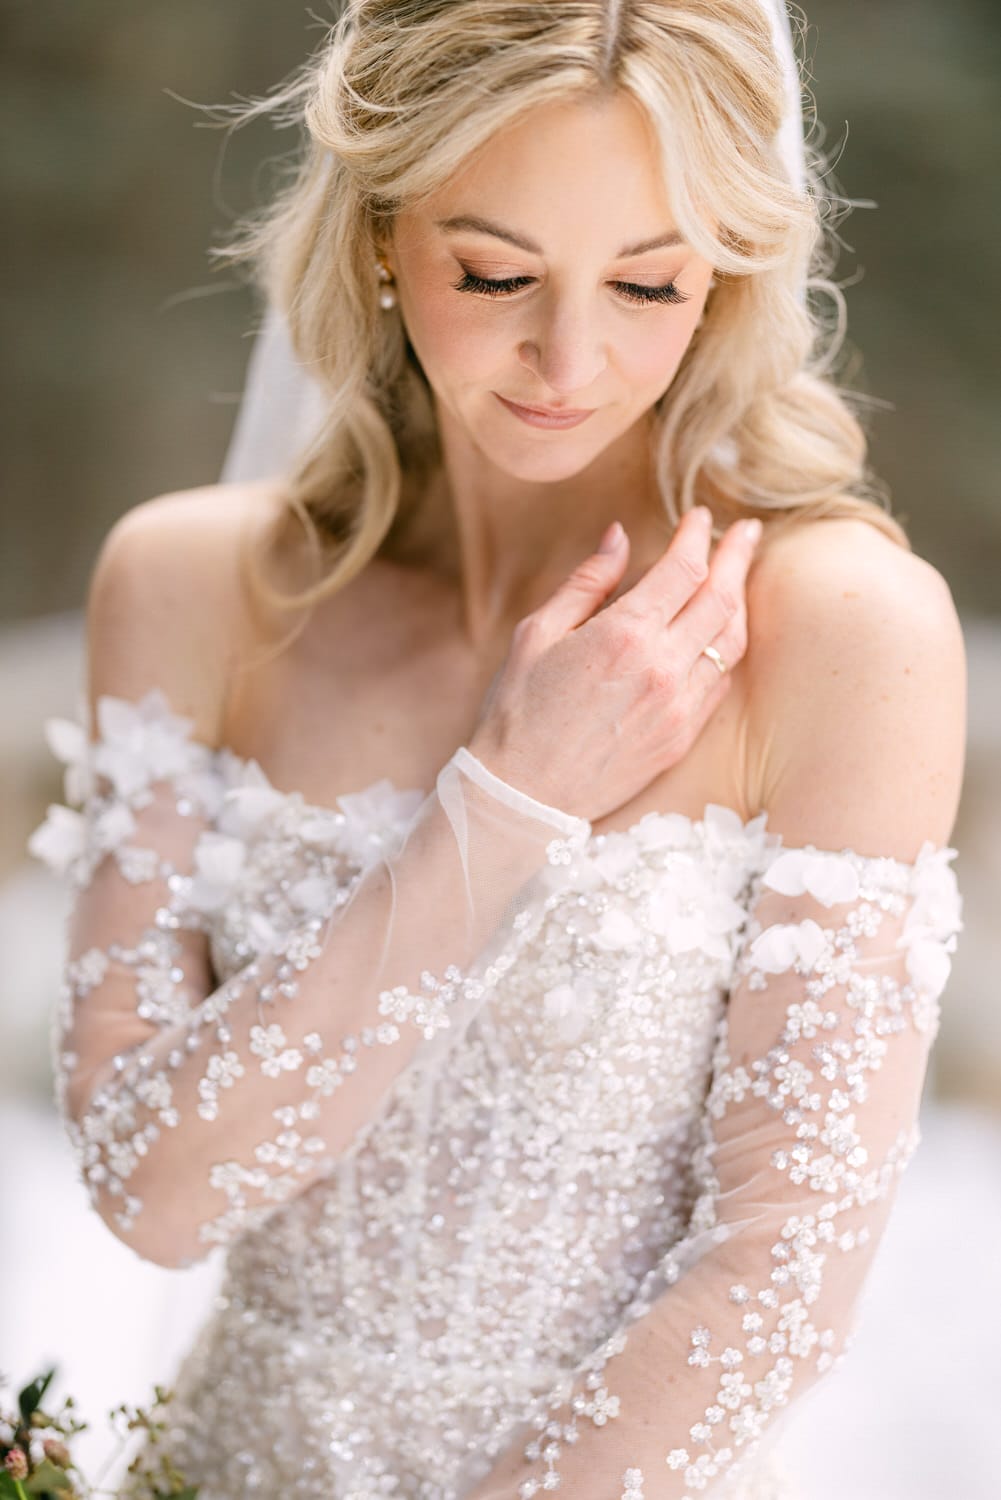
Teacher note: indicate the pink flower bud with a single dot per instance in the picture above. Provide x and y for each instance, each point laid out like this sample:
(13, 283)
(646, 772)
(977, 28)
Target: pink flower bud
(16, 1464)
(57, 1451)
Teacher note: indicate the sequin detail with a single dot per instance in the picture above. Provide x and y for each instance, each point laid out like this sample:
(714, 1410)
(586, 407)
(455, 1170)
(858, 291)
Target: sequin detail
(675, 1095)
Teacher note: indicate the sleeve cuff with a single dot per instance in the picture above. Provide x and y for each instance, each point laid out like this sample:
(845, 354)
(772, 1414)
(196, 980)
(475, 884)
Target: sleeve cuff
(576, 830)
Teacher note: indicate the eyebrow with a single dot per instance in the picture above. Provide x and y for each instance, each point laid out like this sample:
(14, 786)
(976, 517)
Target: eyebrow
(486, 226)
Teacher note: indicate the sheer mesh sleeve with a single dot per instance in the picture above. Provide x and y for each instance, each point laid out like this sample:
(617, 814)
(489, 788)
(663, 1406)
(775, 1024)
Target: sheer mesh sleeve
(195, 1107)
(809, 1120)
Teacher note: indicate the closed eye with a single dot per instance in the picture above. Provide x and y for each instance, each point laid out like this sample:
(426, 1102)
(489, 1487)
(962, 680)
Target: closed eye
(469, 282)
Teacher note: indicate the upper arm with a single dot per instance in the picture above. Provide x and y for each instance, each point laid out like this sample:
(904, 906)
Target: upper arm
(162, 613)
(857, 692)
(164, 606)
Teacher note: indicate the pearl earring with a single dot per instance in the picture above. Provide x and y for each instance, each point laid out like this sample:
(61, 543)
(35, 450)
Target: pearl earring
(387, 294)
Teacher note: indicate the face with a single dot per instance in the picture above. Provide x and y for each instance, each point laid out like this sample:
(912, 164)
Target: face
(524, 283)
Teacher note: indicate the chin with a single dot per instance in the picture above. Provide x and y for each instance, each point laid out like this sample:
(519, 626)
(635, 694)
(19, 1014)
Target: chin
(542, 458)
(541, 467)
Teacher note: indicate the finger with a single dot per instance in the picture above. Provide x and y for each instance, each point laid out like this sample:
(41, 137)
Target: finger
(586, 588)
(714, 696)
(720, 600)
(718, 656)
(731, 643)
(678, 572)
(721, 655)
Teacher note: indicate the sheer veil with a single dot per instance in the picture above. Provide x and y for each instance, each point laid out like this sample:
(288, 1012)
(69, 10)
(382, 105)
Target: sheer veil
(281, 407)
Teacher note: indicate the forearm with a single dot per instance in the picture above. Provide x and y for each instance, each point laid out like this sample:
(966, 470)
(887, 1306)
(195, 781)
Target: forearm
(254, 1095)
(693, 1386)
(809, 1121)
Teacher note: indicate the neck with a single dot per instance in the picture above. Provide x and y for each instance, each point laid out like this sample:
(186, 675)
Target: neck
(505, 544)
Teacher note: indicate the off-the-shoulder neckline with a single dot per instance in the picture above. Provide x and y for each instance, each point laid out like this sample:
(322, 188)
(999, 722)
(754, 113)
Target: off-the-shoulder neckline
(595, 836)
(738, 825)
(599, 837)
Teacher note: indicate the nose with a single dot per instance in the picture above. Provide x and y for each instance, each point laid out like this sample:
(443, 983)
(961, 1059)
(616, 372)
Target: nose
(567, 353)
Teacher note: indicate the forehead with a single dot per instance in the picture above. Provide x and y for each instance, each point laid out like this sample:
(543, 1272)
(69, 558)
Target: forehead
(560, 171)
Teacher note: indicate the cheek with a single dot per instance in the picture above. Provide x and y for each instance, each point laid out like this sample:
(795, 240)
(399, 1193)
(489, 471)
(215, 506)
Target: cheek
(453, 339)
(458, 343)
(651, 358)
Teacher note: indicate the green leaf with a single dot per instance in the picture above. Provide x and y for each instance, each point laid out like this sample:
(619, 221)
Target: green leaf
(31, 1397)
(47, 1476)
(8, 1489)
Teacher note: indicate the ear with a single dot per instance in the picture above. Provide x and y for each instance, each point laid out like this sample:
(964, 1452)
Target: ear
(381, 234)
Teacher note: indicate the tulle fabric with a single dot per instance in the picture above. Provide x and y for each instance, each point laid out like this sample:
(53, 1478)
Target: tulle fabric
(195, 1107)
(198, 1108)
(809, 1121)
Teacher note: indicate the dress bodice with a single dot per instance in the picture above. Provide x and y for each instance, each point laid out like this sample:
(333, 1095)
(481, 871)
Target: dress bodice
(539, 1175)
(592, 1054)
(508, 1203)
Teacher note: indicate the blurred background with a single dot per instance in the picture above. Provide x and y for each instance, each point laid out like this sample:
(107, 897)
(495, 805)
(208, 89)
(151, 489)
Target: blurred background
(125, 355)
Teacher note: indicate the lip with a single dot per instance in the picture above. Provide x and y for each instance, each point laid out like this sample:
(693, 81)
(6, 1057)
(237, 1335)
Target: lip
(540, 416)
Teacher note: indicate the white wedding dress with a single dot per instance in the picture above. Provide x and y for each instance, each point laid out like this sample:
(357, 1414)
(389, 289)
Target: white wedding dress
(522, 1141)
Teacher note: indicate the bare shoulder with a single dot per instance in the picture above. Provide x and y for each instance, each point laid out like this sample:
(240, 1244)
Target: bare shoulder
(856, 684)
(846, 571)
(166, 604)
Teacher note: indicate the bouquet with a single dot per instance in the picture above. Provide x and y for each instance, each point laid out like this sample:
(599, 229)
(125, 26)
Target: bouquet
(35, 1459)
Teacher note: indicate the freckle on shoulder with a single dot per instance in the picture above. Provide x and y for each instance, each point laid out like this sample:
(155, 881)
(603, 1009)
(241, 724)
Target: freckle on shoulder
(834, 557)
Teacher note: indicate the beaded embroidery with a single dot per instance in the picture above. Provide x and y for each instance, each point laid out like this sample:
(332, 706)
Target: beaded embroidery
(672, 1100)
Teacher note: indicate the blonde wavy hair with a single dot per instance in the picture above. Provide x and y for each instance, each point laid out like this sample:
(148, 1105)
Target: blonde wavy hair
(394, 101)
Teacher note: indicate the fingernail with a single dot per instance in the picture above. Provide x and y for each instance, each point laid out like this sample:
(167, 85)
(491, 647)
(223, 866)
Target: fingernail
(611, 539)
(703, 514)
(753, 530)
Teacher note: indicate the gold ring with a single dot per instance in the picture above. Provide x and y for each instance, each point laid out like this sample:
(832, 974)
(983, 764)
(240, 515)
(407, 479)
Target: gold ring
(715, 658)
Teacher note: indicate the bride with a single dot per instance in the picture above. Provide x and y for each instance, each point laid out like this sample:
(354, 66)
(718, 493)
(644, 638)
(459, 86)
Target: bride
(511, 885)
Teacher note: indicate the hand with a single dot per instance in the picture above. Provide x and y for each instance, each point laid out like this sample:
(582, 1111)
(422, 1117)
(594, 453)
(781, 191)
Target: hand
(591, 704)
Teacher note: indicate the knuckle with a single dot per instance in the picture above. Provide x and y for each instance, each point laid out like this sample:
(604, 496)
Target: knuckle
(589, 575)
(527, 630)
(694, 568)
(736, 634)
(727, 597)
(627, 633)
(662, 678)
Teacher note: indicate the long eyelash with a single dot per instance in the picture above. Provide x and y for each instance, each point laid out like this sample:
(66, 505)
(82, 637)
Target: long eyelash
(667, 293)
(469, 282)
